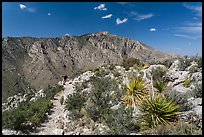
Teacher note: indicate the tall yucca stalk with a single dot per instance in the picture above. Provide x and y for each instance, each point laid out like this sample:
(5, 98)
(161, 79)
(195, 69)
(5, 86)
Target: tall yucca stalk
(136, 91)
(158, 110)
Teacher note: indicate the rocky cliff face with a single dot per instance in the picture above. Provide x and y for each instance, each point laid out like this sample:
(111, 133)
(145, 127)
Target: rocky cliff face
(35, 63)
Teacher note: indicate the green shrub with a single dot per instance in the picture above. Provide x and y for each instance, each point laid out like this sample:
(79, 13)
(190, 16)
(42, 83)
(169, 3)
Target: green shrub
(178, 128)
(187, 83)
(160, 86)
(74, 102)
(12, 119)
(159, 79)
(35, 112)
(120, 121)
(158, 110)
(197, 92)
(130, 62)
(167, 62)
(99, 98)
(158, 74)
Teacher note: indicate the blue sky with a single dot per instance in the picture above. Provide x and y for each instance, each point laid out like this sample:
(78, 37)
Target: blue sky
(173, 27)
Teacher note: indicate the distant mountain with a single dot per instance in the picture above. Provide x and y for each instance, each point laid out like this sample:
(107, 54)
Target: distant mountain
(35, 63)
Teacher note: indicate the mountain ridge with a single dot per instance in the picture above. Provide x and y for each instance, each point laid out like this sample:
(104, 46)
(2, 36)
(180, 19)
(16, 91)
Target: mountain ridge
(35, 63)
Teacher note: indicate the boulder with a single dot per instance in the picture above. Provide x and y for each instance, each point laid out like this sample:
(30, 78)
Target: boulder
(192, 67)
(181, 89)
(175, 66)
(197, 76)
(177, 77)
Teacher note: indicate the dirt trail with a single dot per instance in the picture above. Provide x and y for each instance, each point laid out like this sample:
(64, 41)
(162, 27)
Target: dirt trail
(49, 127)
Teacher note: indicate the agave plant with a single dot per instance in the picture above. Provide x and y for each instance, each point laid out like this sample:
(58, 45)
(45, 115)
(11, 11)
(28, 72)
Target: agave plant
(158, 110)
(136, 91)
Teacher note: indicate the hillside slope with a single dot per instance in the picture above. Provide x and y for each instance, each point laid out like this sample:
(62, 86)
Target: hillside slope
(35, 63)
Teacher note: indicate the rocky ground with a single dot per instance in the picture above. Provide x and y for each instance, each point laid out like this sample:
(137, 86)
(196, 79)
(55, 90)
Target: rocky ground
(59, 121)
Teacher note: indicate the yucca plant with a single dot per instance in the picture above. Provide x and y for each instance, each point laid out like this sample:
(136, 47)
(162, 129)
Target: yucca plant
(158, 110)
(141, 67)
(136, 91)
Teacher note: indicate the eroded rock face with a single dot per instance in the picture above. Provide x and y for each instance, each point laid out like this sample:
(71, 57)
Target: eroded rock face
(39, 62)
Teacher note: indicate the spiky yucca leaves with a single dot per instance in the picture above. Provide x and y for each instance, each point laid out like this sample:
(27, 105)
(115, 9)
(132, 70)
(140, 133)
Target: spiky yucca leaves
(141, 67)
(136, 92)
(158, 110)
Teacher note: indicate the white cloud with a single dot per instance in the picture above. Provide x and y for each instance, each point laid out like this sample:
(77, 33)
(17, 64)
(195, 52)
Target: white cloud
(118, 21)
(107, 16)
(140, 17)
(195, 8)
(22, 6)
(187, 36)
(101, 7)
(144, 16)
(191, 28)
(66, 34)
(195, 18)
(49, 14)
(152, 29)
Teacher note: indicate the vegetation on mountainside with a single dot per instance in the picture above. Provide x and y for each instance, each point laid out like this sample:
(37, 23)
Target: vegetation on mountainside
(158, 110)
(177, 128)
(29, 112)
(136, 92)
(187, 83)
(130, 62)
(159, 80)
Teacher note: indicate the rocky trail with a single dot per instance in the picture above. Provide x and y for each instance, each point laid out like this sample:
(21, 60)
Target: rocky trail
(50, 126)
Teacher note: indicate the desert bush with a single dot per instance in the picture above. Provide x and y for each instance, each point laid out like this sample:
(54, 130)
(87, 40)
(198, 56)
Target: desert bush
(135, 92)
(158, 74)
(158, 110)
(187, 82)
(100, 97)
(34, 112)
(74, 102)
(160, 86)
(177, 128)
(159, 79)
(130, 62)
(120, 121)
(197, 91)
(12, 119)
(167, 62)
